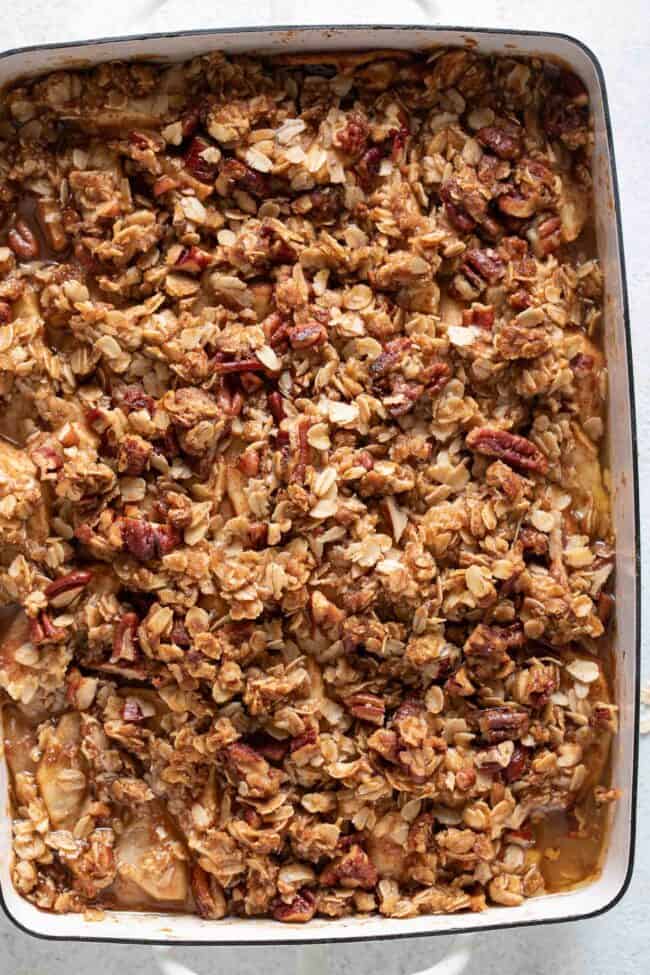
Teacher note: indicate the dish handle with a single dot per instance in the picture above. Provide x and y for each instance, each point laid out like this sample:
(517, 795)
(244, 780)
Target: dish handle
(321, 960)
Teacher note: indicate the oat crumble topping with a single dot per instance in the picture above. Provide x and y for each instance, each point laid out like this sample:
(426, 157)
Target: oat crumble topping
(301, 497)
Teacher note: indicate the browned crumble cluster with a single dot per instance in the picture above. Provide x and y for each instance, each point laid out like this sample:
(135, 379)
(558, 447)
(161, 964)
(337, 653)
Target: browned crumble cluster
(300, 490)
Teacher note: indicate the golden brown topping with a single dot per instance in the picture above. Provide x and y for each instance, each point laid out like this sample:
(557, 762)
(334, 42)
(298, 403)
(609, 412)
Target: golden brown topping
(301, 492)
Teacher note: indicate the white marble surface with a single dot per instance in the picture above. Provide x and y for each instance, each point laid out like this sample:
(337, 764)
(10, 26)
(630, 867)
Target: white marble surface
(619, 33)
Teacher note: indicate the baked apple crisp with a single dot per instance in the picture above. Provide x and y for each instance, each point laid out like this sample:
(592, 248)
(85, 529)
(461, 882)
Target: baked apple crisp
(306, 536)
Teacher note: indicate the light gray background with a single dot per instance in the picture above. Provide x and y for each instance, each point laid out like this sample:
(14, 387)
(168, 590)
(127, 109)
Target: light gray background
(619, 33)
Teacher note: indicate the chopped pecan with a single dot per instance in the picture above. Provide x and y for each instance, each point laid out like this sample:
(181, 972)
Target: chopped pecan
(272, 749)
(132, 398)
(411, 707)
(180, 636)
(367, 707)
(454, 200)
(486, 263)
(304, 451)
(131, 711)
(48, 456)
(208, 894)
(125, 638)
(520, 300)
(506, 144)
(320, 205)
(197, 164)
(147, 541)
(300, 910)
(236, 175)
(369, 164)
(388, 360)
(352, 870)
(436, 377)
(193, 260)
(518, 765)
(516, 451)
(399, 139)
(258, 534)
(276, 407)
(307, 336)
(133, 455)
(146, 140)
(566, 120)
(481, 315)
(43, 630)
(486, 649)
(249, 462)
(307, 738)
(403, 396)
(534, 542)
(353, 136)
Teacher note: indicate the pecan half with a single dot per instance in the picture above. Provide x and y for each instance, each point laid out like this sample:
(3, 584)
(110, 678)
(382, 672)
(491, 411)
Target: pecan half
(22, 241)
(502, 724)
(61, 591)
(516, 451)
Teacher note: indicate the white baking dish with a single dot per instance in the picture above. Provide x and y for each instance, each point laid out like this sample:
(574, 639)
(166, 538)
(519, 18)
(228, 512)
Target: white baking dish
(604, 892)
